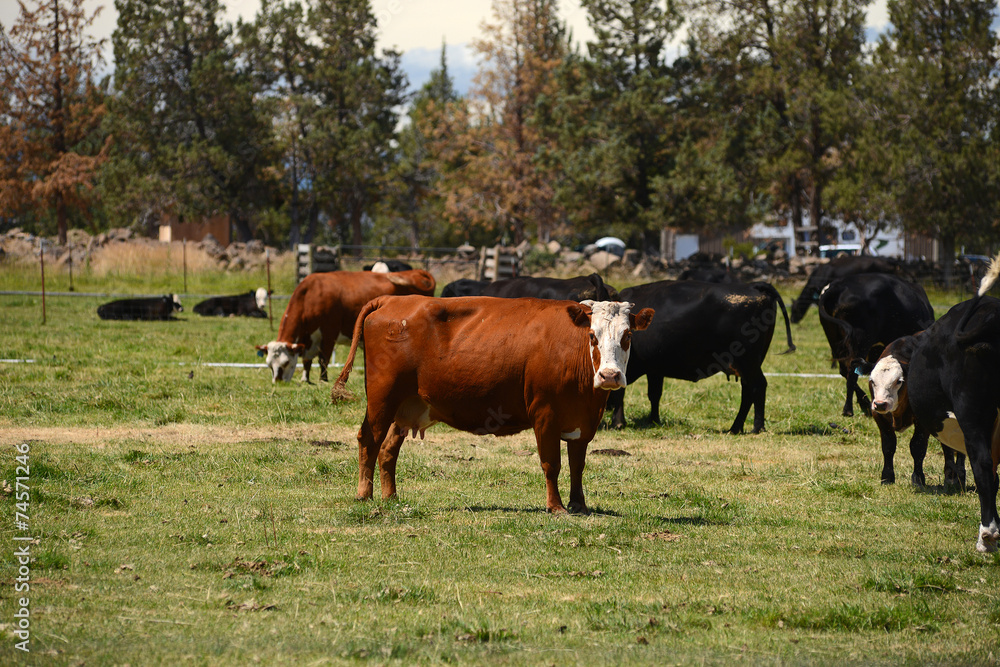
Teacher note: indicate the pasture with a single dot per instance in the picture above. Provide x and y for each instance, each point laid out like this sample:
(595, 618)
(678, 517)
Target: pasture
(196, 514)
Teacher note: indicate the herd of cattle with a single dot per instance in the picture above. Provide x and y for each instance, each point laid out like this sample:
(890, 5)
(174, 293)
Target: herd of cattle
(552, 355)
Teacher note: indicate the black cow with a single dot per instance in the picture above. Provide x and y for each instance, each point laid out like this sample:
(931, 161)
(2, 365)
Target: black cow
(152, 308)
(892, 413)
(251, 304)
(580, 288)
(716, 274)
(701, 329)
(955, 395)
(863, 313)
(838, 267)
(464, 287)
(391, 266)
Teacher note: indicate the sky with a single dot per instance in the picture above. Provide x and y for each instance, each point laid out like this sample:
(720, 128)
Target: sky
(417, 28)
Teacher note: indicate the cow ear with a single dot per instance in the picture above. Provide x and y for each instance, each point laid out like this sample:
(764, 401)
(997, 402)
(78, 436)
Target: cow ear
(862, 367)
(296, 348)
(580, 317)
(641, 320)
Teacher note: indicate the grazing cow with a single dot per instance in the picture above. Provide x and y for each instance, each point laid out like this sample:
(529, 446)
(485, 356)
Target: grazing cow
(322, 310)
(152, 308)
(580, 288)
(701, 329)
(838, 267)
(251, 304)
(486, 365)
(892, 413)
(388, 266)
(954, 394)
(464, 287)
(863, 313)
(709, 274)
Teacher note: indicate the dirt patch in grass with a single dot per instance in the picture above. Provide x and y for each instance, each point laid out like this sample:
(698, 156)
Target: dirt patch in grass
(191, 434)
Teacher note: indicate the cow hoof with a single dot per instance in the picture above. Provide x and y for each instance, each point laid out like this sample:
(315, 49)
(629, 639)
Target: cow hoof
(848, 413)
(579, 509)
(886, 481)
(361, 497)
(557, 509)
(618, 425)
(918, 481)
(988, 537)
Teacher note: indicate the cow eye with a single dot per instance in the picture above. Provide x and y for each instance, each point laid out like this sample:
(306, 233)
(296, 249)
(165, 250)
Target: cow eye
(593, 338)
(899, 382)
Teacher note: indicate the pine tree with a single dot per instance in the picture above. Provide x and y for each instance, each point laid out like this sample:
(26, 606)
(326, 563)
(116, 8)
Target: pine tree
(50, 113)
(940, 99)
(189, 137)
(783, 74)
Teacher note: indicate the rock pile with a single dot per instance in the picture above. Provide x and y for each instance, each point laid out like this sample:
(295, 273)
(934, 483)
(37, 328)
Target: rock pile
(17, 245)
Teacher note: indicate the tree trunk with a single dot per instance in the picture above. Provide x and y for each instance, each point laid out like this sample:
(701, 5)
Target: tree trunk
(946, 255)
(356, 236)
(61, 218)
(242, 226)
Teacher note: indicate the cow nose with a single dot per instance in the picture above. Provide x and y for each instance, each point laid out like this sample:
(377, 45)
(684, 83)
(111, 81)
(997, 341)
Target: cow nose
(880, 406)
(610, 377)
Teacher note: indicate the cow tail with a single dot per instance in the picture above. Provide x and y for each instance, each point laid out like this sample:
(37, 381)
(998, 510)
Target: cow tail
(845, 326)
(992, 274)
(339, 393)
(768, 289)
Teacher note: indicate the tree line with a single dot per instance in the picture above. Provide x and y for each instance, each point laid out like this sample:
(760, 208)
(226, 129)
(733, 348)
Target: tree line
(300, 129)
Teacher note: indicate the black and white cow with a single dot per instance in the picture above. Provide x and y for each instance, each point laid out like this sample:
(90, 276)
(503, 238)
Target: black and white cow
(863, 313)
(838, 267)
(892, 413)
(150, 308)
(954, 393)
(701, 329)
(250, 304)
(388, 266)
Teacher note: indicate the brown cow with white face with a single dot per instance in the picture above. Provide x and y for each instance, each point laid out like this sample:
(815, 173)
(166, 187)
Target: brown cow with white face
(322, 311)
(489, 365)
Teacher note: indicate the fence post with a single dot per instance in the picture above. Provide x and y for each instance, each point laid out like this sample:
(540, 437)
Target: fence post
(270, 309)
(184, 255)
(41, 257)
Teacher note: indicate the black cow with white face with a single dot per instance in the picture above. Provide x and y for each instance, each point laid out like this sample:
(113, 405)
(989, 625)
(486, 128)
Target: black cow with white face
(701, 329)
(147, 308)
(954, 393)
(838, 267)
(863, 313)
(249, 304)
(892, 413)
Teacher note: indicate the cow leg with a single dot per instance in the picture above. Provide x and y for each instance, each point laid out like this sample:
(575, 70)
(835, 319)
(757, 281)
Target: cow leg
(548, 441)
(853, 387)
(759, 398)
(325, 352)
(577, 453)
(388, 455)
(978, 438)
(918, 450)
(752, 387)
(954, 469)
(654, 391)
(368, 450)
(888, 438)
(306, 366)
(616, 406)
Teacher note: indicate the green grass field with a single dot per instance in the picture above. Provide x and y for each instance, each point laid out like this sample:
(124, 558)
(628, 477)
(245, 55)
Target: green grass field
(190, 514)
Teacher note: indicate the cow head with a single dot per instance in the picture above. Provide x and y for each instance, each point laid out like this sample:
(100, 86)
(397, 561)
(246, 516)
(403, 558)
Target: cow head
(260, 296)
(175, 302)
(281, 359)
(380, 267)
(886, 383)
(416, 281)
(611, 327)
